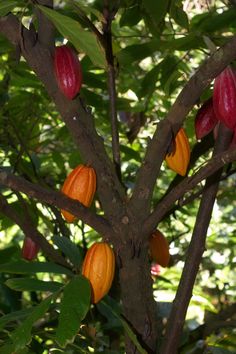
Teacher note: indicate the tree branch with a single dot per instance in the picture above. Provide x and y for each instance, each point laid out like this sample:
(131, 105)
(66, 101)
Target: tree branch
(58, 199)
(78, 120)
(159, 144)
(215, 163)
(195, 251)
(31, 231)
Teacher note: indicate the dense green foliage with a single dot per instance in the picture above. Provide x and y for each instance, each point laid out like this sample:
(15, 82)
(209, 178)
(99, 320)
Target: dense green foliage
(157, 47)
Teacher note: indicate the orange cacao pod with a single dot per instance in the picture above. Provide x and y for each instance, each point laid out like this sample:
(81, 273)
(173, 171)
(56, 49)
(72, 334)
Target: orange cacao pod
(99, 267)
(68, 71)
(80, 184)
(30, 249)
(159, 248)
(179, 159)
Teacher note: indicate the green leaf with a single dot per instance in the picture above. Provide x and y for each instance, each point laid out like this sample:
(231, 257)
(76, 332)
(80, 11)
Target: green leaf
(130, 153)
(212, 21)
(6, 6)
(138, 52)
(22, 335)
(156, 9)
(82, 40)
(126, 327)
(69, 249)
(148, 85)
(14, 316)
(24, 267)
(131, 16)
(28, 284)
(178, 14)
(74, 307)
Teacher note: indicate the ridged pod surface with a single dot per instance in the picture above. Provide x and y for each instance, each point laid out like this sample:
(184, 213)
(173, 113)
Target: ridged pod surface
(99, 267)
(179, 159)
(159, 248)
(224, 97)
(68, 71)
(80, 184)
(30, 249)
(205, 120)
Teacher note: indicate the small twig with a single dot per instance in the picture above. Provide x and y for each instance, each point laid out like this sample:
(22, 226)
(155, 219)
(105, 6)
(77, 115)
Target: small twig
(107, 35)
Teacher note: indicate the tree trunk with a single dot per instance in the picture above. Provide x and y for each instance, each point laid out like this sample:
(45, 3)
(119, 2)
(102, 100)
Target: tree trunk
(139, 307)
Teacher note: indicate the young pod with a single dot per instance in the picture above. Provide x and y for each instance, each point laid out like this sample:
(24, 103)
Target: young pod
(205, 120)
(178, 160)
(68, 71)
(224, 97)
(159, 248)
(80, 184)
(99, 267)
(30, 249)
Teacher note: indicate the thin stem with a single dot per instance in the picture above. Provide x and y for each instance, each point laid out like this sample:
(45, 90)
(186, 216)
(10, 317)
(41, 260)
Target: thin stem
(107, 35)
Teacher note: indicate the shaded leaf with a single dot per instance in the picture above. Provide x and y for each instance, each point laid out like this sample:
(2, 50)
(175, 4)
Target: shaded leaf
(178, 14)
(74, 307)
(137, 52)
(126, 327)
(131, 16)
(156, 9)
(72, 252)
(28, 284)
(24, 267)
(14, 316)
(22, 335)
(148, 85)
(82, 40)
(130, 153)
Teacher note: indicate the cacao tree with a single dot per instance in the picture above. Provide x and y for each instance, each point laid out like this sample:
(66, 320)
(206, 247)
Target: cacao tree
(100, 97)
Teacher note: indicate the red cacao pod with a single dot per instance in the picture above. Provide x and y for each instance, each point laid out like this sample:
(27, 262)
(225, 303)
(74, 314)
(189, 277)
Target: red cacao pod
(205, 120)
(80, 184)
(99, 267)
(159, 248)
(224, 97)
(179, 159)
(68, 71)
(30, 249)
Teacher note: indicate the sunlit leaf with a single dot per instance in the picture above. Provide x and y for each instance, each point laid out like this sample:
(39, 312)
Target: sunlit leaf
(6, 6)
(84, 41)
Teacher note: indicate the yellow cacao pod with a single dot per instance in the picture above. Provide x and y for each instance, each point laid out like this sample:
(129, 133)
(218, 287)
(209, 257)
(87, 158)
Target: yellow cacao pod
(179, 159)
(99, 267)
(80, 184)
(159, 248)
